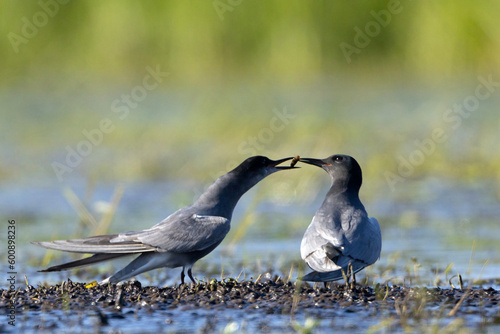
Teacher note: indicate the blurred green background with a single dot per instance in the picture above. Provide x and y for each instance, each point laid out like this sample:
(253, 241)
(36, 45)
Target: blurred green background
(379, 80)
(230, 64)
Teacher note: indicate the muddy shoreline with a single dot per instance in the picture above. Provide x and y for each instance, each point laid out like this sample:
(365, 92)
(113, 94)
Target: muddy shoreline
(404, 305)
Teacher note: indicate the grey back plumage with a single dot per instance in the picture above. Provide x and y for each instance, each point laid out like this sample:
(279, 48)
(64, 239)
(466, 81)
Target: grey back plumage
(183, 231)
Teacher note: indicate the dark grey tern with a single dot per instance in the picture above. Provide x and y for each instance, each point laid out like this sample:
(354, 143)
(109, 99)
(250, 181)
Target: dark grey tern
(182, 238)
(341, 239)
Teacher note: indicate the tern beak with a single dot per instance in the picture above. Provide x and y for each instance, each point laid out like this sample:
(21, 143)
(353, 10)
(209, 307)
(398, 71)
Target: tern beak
(275, 164)
(314, 162)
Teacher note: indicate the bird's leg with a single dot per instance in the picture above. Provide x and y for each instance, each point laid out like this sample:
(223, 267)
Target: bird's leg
(182, 276)
(346, 277)
(190, 274)
(353, 282)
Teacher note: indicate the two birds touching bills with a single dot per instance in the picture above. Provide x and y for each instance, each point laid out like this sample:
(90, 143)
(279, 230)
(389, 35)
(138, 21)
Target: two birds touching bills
(341, 239)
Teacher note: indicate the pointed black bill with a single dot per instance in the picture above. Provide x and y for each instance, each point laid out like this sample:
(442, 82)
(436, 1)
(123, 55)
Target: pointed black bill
(314, 162)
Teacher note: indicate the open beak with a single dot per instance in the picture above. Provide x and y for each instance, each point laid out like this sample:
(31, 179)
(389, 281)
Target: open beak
(275, 163)
(314, 162)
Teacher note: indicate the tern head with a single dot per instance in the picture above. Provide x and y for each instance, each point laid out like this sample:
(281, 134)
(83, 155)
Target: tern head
(262, 166)
(224, 193)
(343, 169)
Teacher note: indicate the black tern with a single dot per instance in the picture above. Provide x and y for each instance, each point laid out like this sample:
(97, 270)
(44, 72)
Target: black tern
(182, 238)
(340, 236)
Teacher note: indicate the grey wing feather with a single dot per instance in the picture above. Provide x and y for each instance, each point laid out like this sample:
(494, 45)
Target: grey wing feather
(368, 241)
(360, 246)
(317, 240)
(193, 233)
(96, 258)
(97, 244)
(175, 234)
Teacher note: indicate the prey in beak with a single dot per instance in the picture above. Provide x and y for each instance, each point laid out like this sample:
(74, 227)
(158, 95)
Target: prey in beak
(275, 163)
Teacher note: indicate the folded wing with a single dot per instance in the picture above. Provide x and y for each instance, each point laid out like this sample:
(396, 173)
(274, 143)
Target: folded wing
(193, 233)
(97, 244)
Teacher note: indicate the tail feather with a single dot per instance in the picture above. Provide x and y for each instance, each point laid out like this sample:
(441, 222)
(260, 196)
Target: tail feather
(100, 257)
(330, 276)
(315, 276)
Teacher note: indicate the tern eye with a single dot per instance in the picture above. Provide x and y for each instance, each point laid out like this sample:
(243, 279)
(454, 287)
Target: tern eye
(338, 158)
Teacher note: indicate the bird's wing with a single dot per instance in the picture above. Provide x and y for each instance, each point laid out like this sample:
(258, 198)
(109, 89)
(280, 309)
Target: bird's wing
(320, 246)
(192, 233)
(365, 242)
(319, 234)
(180, 232)
(327, 249)
(97, 244)
(96, 258)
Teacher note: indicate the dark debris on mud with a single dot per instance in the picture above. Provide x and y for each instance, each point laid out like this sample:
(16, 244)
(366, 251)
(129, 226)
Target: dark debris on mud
(273, 296)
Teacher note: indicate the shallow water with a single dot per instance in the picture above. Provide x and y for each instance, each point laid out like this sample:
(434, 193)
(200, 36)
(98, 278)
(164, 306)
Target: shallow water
(456, 225)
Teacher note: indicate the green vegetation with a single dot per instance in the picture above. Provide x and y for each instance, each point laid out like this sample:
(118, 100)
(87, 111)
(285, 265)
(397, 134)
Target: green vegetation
(230, 69)
(287, 41)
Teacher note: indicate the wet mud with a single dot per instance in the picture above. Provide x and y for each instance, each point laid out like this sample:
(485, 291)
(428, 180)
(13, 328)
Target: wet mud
(401, 305)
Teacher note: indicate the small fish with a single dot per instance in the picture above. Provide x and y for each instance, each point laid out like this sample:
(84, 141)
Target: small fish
(294, 161)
